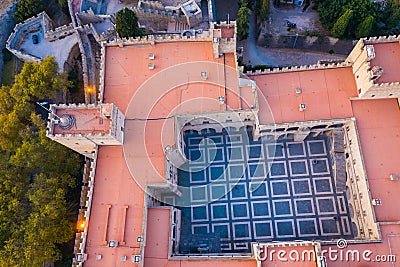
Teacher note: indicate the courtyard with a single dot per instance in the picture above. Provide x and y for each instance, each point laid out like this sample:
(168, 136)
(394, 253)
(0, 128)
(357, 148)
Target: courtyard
(242, 191)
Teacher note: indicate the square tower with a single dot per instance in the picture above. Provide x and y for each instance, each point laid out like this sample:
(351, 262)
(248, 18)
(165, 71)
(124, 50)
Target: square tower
(83, 127)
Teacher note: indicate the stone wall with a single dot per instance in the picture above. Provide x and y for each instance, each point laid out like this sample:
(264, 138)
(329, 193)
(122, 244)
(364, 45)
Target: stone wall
(21, 30)
(15, 39)
(358, 194)
(84, 211)
(332, 65)
(60, 32)
(157, 17)
(151, 4)
(306, 42)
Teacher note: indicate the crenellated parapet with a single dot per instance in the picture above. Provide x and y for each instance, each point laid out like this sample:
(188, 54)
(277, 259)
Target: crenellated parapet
(60, 32)
(151, 4)
(380, 39)
(375, 72)
(35, 23)
(326, 65)
(152, 39)
(83, 127)
(102, 73)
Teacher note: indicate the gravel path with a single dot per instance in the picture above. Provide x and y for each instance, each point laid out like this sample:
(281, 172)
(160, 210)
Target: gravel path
(4, 4)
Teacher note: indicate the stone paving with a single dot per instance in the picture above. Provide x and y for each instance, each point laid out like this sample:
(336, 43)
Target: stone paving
(243, 191)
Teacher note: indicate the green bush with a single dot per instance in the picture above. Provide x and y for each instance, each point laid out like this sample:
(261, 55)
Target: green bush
(340, 26)
(27, 9)
(127, 24)
(263, 9)
(365, 27)
(242, 22)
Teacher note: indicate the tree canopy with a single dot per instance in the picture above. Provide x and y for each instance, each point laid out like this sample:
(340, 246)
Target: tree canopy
(263, 9)
(331, 11)
(364, 29)
(340, 26)
(242, 21)
(127, 24)
(37, 175)
(391, 16)
(27, 9)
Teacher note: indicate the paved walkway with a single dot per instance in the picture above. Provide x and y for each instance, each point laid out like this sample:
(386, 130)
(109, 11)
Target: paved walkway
(255, 57)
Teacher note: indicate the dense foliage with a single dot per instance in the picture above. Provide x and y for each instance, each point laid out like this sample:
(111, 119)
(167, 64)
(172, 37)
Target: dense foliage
(63, 5)
(27, 9)
(37, 175)
(368, 17)
(340, 26)
(391, 17)
(242, 21)
(263, 9)
(127, 24)
(333, 10)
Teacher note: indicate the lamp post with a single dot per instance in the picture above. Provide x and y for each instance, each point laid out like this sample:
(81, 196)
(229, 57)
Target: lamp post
(295, 40)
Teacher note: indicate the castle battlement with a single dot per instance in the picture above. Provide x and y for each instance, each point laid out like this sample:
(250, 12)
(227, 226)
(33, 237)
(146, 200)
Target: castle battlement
(332, 65)
(82, 127)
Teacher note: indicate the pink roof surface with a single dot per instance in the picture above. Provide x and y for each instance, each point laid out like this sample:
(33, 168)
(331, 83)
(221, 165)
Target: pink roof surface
(387, 56)
(156, 253)
(116, 213)
(378, 123)
(325, 92)
(88, 121)
(127, 69)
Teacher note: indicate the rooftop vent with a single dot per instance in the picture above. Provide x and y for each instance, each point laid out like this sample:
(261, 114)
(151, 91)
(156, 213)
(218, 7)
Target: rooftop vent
(203, 75)
(394, 177)
(140, 238)
(168, 148)
(135, 258)
(151, 55)
(112, 244)
(123, 258)
(376, 202)
(370, 51)
(298, 90)
(98, 257)
(302, 107)
(151, 66)
(221, 99)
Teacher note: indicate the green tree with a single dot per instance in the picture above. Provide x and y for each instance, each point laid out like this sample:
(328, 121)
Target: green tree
(37, 175)
(127, 24)
(330, 11)
(364, 29)
(263, 9)
(27, 9)
(242, 22)
(340, 26)
(391, 17)
(63, 5)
